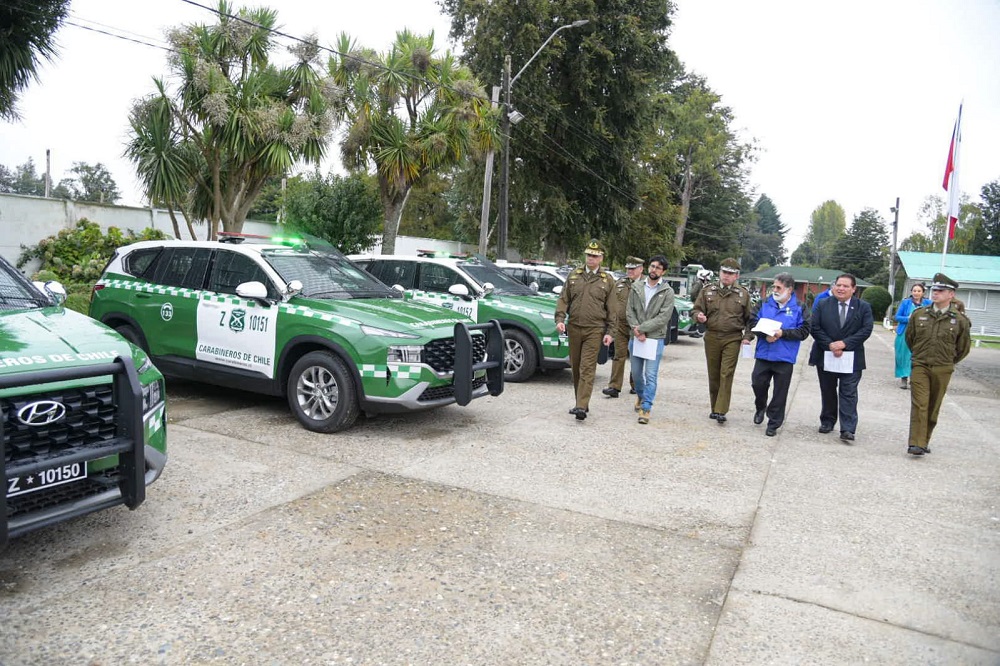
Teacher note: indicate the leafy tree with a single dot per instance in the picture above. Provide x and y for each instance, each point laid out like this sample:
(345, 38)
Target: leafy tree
(267, 205)
(826, 226)
(24, 179)
(27, 29)
(804, 254)
(932, 214)
(986, 240)
(234, 120)
(346, 212)
(410, 112)
(588, 104)
(697, 129)
(764, 240)
(428, 213)
(89, 183)
(864, 250)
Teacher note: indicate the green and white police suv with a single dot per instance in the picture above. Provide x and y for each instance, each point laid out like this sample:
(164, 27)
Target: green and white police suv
(475, 286)
(294, 318)
(84, 418)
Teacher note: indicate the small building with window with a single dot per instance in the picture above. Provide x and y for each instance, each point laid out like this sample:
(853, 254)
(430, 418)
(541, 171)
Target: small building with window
(978, 280)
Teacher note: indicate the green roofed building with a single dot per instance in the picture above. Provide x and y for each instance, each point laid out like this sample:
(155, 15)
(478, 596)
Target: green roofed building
(978, 280)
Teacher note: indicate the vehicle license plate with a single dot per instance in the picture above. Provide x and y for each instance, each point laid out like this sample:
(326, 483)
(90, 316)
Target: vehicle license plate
(46, 478)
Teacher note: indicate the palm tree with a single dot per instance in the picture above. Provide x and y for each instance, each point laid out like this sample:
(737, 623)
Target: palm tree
(408, 112)
(26, 36)
(234, 119)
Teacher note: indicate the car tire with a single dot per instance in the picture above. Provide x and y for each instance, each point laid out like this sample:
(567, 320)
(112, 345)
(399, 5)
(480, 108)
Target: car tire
(519, 357)
(133, 336)
(321, 393)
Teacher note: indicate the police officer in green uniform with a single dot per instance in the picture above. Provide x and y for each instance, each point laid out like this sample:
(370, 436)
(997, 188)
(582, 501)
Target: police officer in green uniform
(588, 300)
(938, 336)
(633, 272)
(724, 308)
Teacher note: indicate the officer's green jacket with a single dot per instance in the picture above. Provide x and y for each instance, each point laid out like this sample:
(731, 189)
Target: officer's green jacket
(588, 299)
(728, 310)
(937, 339)
(622, 289)
(652, 319)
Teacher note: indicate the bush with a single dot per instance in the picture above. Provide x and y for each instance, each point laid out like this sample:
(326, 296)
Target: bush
(81, 253)
(879, 299)
(78, 301)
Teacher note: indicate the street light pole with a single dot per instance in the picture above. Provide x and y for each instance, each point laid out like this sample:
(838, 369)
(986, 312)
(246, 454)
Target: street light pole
(507, 84)
(892, 257)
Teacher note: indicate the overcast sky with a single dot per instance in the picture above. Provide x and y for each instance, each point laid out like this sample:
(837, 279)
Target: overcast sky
(852, 101)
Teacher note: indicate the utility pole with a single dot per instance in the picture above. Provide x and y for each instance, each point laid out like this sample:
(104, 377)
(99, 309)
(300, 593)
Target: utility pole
(484, 223)
(892, 255)
(48, 171)
(505, 164)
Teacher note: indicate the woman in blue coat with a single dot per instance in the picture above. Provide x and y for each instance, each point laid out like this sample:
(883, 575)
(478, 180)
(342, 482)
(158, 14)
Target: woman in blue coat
(916, 300)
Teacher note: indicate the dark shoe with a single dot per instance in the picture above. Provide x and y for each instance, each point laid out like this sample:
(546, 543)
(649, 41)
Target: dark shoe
(825, 428)
(611, 392)
(632, 391)
(903, 383)
(917, 450)
(579, 412)
(721, 418)
(714, 415)
(847, 436)
(758, 417)
(771, 432)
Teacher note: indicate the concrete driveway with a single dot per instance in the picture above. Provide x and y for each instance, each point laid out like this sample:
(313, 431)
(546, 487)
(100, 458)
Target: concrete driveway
(509, 533)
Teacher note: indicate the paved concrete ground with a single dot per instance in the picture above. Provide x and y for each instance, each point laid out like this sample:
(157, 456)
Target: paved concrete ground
(508, 533)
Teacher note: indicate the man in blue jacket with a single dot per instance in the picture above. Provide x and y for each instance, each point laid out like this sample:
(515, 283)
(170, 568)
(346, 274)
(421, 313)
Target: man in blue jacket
(840, 325)
(776, 353)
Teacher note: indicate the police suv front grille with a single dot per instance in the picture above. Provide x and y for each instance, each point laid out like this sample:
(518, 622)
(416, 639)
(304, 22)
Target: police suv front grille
(91, 418)
(440, 354)
(441, 392)
(59, 495)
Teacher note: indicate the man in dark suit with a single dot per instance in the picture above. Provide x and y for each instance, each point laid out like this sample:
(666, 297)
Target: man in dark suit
(840, 324)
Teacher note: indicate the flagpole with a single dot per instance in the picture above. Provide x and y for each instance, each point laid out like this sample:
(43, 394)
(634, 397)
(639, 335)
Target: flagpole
(951, 185)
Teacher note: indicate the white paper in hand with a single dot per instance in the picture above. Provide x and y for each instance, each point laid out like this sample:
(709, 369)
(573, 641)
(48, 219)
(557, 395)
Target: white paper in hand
(645, 349)
(767, 326)
(844, 364)
(746, 351)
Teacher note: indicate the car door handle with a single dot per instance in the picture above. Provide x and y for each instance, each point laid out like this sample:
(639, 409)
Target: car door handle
(142, 295)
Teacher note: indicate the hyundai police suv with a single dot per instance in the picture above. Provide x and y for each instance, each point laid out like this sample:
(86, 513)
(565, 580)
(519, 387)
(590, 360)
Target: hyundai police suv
(84, 417)
(476, 287)
(294, 318)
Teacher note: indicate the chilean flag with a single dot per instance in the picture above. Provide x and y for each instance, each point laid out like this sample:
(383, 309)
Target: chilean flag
(951, 175)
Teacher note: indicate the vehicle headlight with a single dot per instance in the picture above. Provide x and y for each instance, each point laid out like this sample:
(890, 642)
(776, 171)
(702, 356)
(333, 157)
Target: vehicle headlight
(152, 395)
(371, 330)
(405, 354)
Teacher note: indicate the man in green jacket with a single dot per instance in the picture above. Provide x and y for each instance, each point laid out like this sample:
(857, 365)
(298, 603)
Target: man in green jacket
(587, 300)
(938, 336)
(648, 312)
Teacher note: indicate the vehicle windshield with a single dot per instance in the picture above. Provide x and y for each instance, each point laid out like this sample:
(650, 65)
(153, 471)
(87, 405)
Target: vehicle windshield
(482, 270)
(325, 273)
(16, 292)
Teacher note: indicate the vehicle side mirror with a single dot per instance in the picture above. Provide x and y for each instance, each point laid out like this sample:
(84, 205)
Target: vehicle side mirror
(253, 290)
(557, 289)
(488, 288)
(53, 289)
(400, 288)
(292, 288)
(458, 290)
(533, 287)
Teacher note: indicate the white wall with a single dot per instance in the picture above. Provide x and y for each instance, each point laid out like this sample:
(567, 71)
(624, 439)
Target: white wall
(25, 220)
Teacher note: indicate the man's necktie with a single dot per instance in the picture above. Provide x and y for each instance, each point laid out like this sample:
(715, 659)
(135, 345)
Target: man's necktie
(843, 314)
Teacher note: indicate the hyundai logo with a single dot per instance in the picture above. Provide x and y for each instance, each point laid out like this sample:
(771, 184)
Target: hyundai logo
(41, 413)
